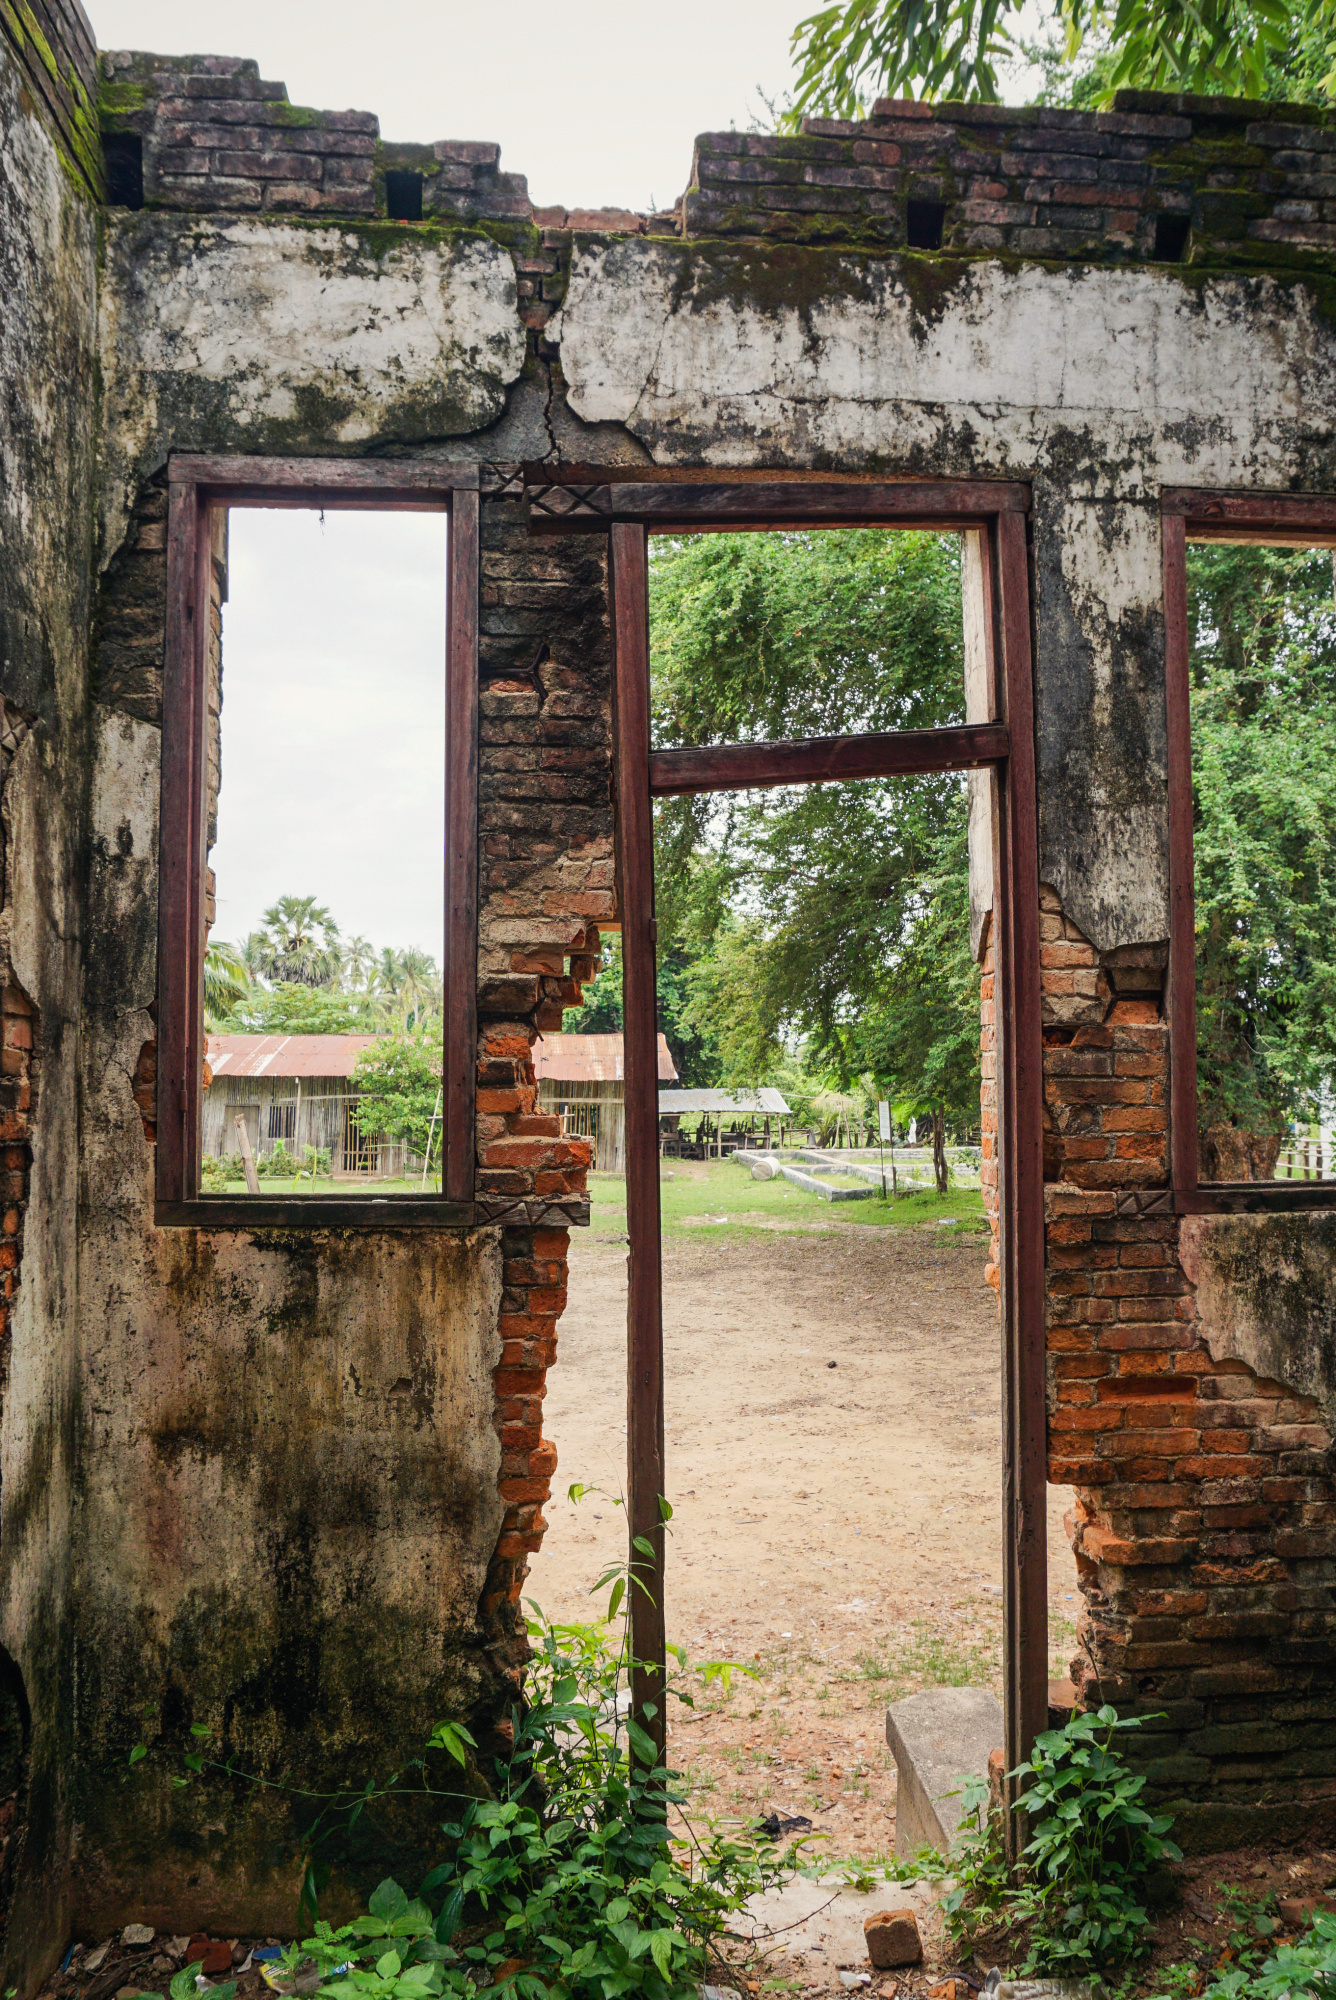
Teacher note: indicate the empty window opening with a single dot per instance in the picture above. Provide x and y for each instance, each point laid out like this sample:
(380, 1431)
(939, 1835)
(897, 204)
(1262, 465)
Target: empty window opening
(123, 159)
(853, 631)
(403, 195)
(1171, 238)
(324, 1000)
(926, 221)
(1262, 671)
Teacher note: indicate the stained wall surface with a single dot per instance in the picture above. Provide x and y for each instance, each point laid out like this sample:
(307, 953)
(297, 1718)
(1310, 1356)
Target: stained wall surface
(47, 344)
(310, 1465)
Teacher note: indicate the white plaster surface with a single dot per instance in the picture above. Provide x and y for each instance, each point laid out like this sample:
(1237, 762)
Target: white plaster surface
(242, 323)
(1175, 382)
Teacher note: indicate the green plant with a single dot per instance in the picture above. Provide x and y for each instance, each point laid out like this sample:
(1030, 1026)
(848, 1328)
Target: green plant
(855, 50)
(281, 1165)
(1092, 1846)
(569, 1879)
(977, 1864)
(1289, 1972)
(1091, 1850)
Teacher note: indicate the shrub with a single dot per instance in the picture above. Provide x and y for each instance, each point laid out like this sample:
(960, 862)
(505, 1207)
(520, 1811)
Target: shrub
(1092, 1848)
(575, 1879)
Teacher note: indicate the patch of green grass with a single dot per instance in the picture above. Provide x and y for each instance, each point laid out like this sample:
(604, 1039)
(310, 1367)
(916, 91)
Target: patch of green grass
(928, 1657)
(345, 1189)
(717, 1198)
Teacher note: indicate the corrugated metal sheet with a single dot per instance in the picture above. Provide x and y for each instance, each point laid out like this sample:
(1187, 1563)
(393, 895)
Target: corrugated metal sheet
(739, 1103)
(589, 1059)
(285, 1055)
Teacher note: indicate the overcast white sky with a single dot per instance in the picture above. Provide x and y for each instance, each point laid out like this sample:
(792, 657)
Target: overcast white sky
(334, 722)
(596, 101)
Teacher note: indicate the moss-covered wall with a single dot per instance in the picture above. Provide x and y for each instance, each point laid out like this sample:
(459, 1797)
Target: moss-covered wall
(47, 282)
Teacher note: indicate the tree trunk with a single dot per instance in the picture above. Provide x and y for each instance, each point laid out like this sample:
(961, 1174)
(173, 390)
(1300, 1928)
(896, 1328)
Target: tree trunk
(939, 1147)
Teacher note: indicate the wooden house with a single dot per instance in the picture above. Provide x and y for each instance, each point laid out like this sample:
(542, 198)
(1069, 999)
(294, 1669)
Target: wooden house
(582, 1078)
(297, 1091)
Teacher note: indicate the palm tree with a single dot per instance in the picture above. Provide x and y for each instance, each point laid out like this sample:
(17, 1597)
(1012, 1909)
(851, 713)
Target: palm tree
(358, 962)
(419, 985)
(226, 978)
(300, 943)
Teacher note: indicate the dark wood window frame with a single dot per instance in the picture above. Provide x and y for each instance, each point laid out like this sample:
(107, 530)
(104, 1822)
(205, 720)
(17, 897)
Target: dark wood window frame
(195, 485)
(1192, 514)
(628, 511)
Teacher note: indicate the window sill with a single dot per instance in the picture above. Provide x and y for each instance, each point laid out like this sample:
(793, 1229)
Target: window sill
(1254, 1197)
(384, 1212)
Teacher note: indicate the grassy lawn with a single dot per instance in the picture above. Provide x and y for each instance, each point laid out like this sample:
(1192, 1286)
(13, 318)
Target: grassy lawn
(323, 1185)
(696, 1195)
(717, 1194)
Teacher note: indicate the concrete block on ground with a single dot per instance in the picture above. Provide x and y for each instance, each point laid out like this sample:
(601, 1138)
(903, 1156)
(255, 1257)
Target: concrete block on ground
(937, 1738)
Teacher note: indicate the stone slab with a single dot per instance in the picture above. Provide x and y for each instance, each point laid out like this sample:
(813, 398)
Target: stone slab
(936, 1738)
(822, 1919)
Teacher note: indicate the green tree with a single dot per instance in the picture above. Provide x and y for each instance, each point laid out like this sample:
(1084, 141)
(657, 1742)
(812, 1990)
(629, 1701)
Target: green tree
(694, 1057)
(293, 1009)
(297, 945)
(398, 1088)
(226, 981)
(1263, 661)
(830, 920)
(856, 50)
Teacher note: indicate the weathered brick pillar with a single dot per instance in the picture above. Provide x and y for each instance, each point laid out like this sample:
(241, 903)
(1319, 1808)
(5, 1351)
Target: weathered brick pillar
(1204, 1523)
(546, 885)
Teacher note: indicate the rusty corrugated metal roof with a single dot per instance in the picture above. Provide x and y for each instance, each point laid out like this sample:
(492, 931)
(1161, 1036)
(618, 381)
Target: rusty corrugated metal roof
(285, 1055)
(590, 1059)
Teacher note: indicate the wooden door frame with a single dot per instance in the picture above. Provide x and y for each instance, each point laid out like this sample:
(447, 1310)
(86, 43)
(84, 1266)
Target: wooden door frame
(627, 511)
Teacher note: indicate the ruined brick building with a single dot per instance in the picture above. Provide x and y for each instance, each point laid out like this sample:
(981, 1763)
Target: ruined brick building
(285, 1479)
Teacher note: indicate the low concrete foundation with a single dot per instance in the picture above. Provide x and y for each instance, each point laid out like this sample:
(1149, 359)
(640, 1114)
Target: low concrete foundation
(937, 1738)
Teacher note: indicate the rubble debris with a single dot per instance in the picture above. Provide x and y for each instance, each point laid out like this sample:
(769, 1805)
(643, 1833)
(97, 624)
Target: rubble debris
(893, 1938)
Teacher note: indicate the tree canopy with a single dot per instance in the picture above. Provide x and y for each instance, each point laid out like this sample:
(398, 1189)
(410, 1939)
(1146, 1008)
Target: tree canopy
(854, 51)
(831, 919)
(1263, 632)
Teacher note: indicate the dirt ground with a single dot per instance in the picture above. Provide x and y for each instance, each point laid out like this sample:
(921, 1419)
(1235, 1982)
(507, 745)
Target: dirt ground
(834, 1463)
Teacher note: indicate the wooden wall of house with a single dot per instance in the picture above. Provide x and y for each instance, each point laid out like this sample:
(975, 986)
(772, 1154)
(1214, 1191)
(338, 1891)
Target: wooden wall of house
(318, 1119)
(608, 1098)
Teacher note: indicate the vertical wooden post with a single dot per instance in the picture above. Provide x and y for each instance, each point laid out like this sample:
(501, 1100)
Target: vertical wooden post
(181, 845)
(461, 851)
(1182, 994)
(644, 1319)
(1020, 1119)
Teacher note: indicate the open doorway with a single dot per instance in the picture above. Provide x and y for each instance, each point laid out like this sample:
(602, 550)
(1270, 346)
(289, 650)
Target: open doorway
(823, 1529)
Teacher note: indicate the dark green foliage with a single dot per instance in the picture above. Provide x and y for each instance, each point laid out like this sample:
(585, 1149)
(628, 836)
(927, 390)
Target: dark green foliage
(397, 1082)
(292, 1009)
(835, 917)
(1263, 634)
(1092, 1849)
(560, 1878)
(1287, 1972)
(695, 1058)
(856, 50)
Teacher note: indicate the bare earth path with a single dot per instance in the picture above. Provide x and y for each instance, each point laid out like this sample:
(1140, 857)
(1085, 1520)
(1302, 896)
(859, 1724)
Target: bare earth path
(834, 1462)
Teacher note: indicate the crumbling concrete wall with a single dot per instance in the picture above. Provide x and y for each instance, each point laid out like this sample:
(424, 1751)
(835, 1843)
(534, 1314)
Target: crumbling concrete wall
(47, 278)
(310, 1465)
